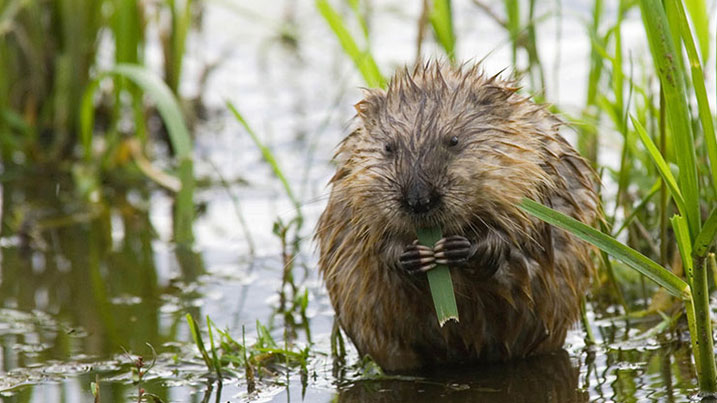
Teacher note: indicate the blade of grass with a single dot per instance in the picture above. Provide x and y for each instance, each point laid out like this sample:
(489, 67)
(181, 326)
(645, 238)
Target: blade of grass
(632, 258)
(128, 32)
(216, 363)
(700, 20)
(181, 22)
(197, 337)
(682, 236)
(166, 102)
(698, 84)
(588, 141)
(155, 88)
(674, 28)
(267, 155)
(171, 114)
(442, 22)
(439, 279)
(355, 6)
(707, 235)
(512, 12)
(672, 80)
(362, 59)
(662, 166)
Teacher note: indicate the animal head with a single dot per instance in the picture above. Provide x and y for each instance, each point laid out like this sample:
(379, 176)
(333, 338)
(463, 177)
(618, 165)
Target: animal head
(445, 147)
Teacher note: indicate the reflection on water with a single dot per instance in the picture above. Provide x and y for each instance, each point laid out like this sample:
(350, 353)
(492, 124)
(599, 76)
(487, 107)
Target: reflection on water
(549, 378)
(81, 282)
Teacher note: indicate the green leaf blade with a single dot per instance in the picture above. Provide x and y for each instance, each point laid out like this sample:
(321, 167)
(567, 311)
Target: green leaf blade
(362, 59)
(166, 102)
(698, 81)
(442, 23)
(439, 280)
(661, 165)
(706, 236)
(682, 235)
(670, 71)
(634, 259)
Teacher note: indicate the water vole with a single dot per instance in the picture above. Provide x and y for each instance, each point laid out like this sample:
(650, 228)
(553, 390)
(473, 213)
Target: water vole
(454, 148)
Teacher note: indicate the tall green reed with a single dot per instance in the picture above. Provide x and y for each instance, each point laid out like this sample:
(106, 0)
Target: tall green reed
(362, 58)
(169, 110)
(174, 42)
(49, 50)
(439, 15)
(693, 235)
(441, 18)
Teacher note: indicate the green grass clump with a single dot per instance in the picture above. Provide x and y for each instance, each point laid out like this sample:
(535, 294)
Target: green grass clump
(169, 110)
(692, 235)
(49, 92)
(48, 53)
(265, 358)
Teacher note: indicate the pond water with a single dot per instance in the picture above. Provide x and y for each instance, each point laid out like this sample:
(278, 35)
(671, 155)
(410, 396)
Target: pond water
(85, 290)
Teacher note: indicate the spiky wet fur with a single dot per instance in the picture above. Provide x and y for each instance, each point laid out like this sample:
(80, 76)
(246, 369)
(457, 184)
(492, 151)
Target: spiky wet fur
(509, 148)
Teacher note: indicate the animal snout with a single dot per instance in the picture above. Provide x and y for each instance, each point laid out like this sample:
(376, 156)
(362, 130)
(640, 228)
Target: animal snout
(421, 198)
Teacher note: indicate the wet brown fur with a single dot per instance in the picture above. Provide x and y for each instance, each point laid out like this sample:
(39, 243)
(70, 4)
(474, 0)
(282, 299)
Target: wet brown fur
(509, 148)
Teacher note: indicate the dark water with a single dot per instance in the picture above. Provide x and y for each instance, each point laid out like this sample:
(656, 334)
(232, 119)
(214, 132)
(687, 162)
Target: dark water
(87, 288)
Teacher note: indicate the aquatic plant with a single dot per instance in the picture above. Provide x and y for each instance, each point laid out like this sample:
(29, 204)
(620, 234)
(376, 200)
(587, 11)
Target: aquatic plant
(48, 51)
(693, 235)
(171, 114)
(362, 58)
(265, 358)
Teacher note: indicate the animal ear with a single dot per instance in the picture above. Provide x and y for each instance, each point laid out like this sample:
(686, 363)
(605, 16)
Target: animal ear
(363, 108)
(369, 106)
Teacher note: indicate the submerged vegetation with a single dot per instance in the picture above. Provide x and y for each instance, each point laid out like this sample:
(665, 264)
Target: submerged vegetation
(116, 130)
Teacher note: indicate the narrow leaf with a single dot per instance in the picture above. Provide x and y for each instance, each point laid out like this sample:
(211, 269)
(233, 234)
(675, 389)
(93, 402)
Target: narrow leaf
(267, 155)
(439, 279)
(442, 22)
(194, 330)
(706, 236)
(699, 15)
(166, 102)
(661, 165)
(632, 258)
(682, 235)
(362, 59)
(672, 79)
(698, 83)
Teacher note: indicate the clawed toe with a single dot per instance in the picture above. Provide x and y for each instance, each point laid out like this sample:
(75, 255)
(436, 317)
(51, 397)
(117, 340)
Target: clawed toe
(452, 250)
(417, 258)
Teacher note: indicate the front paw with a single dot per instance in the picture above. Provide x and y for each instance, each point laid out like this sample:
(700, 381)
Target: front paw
(417, 258)
(454, 250)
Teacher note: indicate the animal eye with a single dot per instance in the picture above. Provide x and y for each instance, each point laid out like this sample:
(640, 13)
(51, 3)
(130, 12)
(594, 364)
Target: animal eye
(388, 147)
(453, 141)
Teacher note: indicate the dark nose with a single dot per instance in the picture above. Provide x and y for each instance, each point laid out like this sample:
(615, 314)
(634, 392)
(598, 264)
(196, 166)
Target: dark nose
(421, 198)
